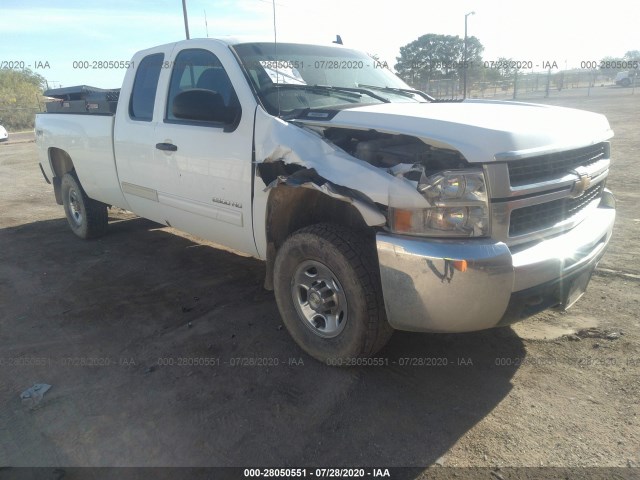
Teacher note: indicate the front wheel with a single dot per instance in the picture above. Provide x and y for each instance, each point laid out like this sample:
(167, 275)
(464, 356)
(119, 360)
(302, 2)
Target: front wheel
(327, 287)
(87, 218)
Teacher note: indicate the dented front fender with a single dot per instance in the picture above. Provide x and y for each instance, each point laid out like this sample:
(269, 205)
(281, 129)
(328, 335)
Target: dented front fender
(295, 155)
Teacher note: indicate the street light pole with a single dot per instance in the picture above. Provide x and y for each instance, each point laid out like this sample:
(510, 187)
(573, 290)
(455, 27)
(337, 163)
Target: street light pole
(464, 62)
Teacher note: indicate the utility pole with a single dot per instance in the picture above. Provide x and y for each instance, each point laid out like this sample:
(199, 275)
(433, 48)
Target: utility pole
(186, 21)
(464, 62)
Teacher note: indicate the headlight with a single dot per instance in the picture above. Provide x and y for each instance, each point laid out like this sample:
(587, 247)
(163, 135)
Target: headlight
(459, 207)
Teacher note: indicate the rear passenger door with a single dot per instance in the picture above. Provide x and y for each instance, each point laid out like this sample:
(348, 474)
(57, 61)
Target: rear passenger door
(141, 176)
(211, 197)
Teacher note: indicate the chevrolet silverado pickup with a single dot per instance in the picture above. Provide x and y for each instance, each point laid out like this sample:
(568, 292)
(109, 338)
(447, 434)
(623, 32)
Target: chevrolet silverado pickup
(374, 206)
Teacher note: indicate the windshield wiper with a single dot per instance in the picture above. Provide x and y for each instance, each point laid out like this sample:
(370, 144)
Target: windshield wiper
(350, 91)
(356, 90)
(407, 92)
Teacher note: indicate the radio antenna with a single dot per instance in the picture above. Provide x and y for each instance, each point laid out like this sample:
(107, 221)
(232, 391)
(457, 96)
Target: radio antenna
(206, 25)
(275, 47)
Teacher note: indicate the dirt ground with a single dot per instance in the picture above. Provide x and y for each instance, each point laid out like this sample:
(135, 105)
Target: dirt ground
(141, 334)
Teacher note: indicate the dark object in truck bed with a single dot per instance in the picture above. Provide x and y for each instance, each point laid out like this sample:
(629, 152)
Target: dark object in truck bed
(82, 99)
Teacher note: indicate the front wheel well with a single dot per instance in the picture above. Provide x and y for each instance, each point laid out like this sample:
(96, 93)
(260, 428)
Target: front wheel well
(290, 209)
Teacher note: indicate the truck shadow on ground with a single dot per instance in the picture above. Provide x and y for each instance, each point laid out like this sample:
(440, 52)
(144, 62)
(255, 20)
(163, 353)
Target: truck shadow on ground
(202, 372)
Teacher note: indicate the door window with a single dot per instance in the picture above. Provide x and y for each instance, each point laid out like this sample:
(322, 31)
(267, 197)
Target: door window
(197, 69)
(143, 95)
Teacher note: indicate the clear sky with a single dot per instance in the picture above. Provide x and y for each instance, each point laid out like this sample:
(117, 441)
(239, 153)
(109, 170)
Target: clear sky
(61, 32)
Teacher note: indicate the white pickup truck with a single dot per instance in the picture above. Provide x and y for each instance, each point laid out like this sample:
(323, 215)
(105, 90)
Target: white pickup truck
(375, 207)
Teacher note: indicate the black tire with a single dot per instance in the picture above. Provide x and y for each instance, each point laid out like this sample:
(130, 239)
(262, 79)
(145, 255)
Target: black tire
(87, 218)
(352, 271)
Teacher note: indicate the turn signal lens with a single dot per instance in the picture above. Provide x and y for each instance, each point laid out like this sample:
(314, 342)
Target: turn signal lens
(402, 219)
(460, 265)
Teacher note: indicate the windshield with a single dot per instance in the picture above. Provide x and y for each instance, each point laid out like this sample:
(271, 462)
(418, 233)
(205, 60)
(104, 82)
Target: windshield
(303, 77)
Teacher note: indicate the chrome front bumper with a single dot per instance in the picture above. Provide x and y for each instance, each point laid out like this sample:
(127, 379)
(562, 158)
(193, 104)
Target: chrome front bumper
(449, 285)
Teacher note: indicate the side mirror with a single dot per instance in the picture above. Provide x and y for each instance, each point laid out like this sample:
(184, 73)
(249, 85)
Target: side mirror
(202, 105)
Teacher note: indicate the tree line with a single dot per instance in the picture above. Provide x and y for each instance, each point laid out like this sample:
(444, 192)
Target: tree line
(20, 98)
(441, 57)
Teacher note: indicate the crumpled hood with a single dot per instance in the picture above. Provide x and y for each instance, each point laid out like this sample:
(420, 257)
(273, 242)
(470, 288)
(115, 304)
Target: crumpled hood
(482, 130)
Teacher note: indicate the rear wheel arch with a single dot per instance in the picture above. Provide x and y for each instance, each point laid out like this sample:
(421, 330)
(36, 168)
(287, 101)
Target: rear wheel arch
(61, 164)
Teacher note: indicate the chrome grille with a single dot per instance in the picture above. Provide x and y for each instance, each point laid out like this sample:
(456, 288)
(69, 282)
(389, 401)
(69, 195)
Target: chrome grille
(545, 215)
(553, 165)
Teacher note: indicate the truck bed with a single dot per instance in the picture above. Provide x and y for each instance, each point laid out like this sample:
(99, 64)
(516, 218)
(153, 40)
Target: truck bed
(88, 140)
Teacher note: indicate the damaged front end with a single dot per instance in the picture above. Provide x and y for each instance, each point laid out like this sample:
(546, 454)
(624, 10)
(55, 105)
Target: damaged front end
(406, 189)
(393, 180)
(440, 268)
(455, 191)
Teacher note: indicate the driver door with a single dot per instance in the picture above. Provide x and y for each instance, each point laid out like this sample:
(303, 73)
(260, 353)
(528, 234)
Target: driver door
(211, 196)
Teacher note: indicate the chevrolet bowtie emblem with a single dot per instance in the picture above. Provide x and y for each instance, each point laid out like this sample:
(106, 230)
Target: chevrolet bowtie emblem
(581, 185)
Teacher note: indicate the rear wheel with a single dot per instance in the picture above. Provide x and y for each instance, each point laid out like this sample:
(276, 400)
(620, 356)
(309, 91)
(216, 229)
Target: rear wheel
(327, 286)
(87, 218)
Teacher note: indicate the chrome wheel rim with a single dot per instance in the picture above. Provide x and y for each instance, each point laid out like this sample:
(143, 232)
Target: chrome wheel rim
(75, 209)
(319, 299)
